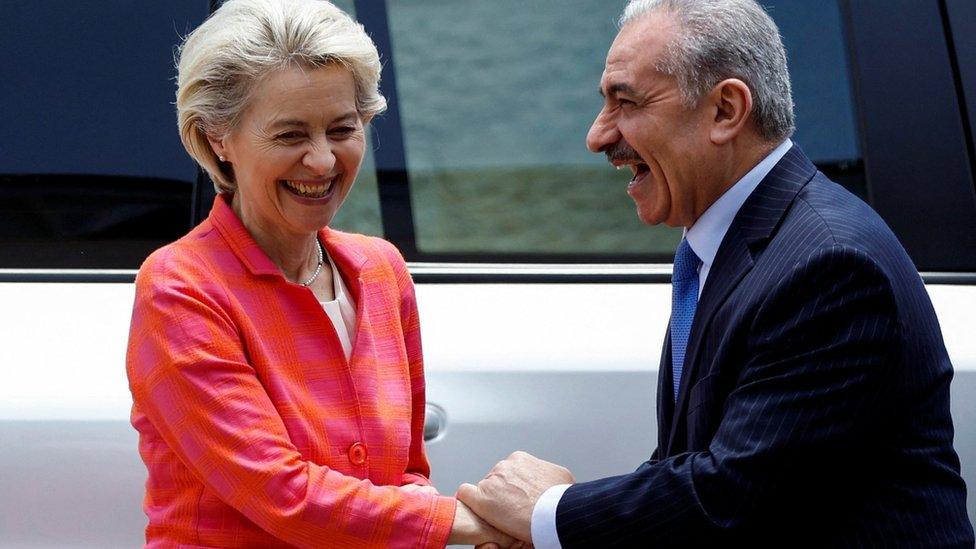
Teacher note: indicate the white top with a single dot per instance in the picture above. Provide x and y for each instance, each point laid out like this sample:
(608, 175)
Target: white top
(341, 311)
(704, 237)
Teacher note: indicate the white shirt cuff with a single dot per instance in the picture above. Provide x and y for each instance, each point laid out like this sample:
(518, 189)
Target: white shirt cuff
(543, 525)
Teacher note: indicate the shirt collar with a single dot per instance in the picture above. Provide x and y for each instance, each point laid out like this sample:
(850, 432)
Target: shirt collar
(706, 235)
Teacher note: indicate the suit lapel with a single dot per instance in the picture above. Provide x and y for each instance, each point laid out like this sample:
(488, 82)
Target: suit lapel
(741, 246)
(665, 397)
(733, 261)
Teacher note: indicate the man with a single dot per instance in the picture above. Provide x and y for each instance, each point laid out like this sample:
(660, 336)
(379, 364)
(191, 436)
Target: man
(803, 396)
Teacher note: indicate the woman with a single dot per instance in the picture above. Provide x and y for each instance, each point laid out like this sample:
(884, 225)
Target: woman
(274, 363)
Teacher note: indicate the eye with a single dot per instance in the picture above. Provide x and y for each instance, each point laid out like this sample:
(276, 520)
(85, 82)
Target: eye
(290, 136)
(343, 131)
(625, 102)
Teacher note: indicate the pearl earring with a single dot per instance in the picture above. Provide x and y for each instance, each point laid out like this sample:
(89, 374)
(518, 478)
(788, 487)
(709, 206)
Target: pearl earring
(222, 159)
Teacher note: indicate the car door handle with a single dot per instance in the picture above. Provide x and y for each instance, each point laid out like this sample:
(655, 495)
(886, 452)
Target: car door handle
(435, 422)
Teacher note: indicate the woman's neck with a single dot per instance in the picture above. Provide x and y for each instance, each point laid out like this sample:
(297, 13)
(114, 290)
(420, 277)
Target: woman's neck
(296, 254)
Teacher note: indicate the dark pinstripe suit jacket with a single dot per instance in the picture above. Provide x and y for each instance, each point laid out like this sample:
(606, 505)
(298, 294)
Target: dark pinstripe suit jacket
(814, 402)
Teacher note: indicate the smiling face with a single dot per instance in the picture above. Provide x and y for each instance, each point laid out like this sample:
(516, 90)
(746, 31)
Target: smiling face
(644, 126)
(296, 151)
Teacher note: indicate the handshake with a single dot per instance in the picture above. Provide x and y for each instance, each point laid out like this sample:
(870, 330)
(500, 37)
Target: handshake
(497, 513)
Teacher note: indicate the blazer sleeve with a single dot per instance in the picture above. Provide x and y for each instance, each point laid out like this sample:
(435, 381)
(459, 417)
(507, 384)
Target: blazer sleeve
(805, 402)
(188, 374)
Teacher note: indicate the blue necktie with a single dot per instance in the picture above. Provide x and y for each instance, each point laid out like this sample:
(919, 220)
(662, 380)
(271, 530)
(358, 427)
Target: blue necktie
(684, 299)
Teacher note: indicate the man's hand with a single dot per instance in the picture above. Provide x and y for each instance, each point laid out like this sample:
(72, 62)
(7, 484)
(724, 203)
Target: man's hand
(506, 496)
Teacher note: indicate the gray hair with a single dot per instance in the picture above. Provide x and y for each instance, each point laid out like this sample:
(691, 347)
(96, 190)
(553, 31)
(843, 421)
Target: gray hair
(720, 39)
(243, 42)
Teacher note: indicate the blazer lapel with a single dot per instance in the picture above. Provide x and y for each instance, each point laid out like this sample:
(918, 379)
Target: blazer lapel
(239, 239)
(352, 265)
(349, 260)
(741, 246)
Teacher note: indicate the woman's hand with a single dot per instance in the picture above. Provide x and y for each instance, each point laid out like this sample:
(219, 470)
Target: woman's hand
(469, 529)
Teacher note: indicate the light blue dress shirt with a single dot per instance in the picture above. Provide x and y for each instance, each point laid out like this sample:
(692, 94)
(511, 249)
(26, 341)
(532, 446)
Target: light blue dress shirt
(704, 237)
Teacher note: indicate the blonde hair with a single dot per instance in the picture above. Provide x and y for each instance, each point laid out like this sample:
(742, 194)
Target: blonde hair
(243, 42)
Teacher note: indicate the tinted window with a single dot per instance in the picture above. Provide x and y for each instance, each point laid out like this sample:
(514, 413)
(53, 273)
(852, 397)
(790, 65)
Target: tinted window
(962, 19)
(820, 73)
(93, 174)
(360, 213)
(496, 98)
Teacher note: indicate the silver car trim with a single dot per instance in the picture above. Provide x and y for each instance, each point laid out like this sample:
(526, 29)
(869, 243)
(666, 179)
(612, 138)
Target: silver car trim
(549, 269)
(445, 271)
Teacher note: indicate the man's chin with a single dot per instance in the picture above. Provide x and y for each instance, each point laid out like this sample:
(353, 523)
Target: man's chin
(651, 218)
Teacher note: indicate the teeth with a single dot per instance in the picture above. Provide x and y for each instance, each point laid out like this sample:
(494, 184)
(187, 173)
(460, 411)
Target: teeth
(306, 190)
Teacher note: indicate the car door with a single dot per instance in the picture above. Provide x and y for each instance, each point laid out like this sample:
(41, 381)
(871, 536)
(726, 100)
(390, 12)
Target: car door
(543, 300)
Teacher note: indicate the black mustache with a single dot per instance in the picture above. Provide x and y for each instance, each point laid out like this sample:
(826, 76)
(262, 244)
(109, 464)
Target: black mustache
(622, 153)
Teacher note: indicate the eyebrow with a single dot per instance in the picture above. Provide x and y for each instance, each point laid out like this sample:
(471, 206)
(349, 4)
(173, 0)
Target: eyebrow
(347, 116)
(289, 122)
(285, 122)
(617, 88)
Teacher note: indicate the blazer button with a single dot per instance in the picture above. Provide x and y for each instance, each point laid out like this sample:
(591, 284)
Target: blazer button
(357, 453)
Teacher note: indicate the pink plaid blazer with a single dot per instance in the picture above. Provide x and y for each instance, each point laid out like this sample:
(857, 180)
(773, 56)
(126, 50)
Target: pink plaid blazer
(255, 429)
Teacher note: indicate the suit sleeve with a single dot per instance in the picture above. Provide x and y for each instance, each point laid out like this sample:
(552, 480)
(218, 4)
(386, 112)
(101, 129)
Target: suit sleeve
(189, 375)
(804, 405)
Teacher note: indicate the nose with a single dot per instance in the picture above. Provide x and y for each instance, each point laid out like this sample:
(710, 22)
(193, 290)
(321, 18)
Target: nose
(603, 133)
(319, 158)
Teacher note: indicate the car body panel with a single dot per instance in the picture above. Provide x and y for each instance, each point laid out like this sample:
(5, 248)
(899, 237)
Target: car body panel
(558, 360)
(565, 371)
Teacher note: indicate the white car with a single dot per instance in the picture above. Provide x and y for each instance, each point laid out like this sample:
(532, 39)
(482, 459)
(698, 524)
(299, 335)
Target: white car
(543, 301)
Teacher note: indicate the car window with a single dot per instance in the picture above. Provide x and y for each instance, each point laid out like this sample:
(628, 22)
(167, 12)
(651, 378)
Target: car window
(360, 213)
(962, 24)
(93, 174)
(495, 100)
(813, 34)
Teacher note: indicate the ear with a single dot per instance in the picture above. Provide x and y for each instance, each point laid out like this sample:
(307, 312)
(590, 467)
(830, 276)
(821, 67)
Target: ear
(217, 145)
(732, 102)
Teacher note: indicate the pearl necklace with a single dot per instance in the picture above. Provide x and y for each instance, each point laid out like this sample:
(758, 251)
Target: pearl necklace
(318, 268)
